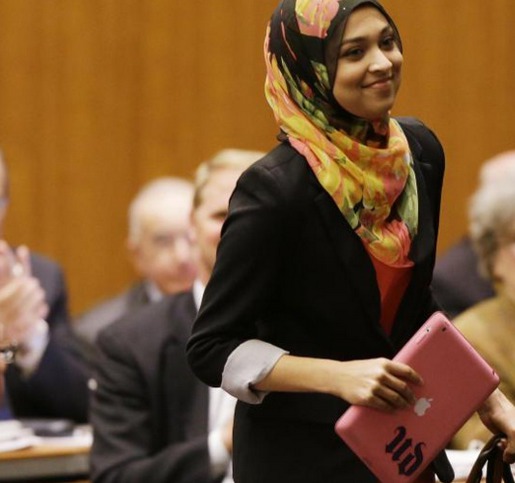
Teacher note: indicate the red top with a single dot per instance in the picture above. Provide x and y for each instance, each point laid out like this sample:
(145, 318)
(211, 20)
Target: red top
(392, 282)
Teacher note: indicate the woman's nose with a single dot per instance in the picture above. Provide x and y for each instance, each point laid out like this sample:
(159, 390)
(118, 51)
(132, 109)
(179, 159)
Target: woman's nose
(380, 61)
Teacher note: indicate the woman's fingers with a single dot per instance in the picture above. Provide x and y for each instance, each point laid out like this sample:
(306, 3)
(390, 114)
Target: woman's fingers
(405, 372)
(379, 383)
(400, 379)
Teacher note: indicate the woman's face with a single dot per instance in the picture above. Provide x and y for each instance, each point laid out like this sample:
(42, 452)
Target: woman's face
(368, 74)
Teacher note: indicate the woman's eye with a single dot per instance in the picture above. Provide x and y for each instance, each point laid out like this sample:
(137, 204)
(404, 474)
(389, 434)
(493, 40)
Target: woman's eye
(352, 53)
(388, 42)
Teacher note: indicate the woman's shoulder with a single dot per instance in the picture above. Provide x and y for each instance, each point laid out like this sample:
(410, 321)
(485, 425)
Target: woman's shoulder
(414, 125)
(420, 136)
(282, 159)
(283, 169)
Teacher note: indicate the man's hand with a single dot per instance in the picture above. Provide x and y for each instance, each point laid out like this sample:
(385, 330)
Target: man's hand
(22, 300)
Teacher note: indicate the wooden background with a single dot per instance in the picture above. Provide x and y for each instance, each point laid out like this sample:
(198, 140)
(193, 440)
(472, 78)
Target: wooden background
(99, 96)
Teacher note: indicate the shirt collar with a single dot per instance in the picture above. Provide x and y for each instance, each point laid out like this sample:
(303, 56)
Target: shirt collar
(198, 292)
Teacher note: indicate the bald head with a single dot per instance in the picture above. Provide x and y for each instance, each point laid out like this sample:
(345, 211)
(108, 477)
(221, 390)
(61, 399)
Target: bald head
(159, 234)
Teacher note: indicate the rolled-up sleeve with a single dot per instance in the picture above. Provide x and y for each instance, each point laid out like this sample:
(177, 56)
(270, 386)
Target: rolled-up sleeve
(248, 364)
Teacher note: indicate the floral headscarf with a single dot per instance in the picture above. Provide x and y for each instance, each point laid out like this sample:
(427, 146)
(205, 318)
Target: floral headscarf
(365, 166)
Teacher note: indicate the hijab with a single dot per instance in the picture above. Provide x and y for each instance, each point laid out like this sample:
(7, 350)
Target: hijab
(365, 166)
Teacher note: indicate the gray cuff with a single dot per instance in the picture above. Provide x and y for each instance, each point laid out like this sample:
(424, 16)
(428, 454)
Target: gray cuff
(249, 363)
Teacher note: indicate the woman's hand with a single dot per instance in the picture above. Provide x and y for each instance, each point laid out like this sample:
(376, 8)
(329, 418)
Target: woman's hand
(377, 383)
(498, 414)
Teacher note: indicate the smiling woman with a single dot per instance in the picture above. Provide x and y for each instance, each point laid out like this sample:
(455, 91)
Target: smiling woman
(324, 266)
(368, 73)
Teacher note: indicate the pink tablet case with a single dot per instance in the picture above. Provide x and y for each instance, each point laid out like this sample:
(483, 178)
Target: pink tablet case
(397, 446)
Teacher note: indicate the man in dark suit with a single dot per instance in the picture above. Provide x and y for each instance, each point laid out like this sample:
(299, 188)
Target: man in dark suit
(152, 419)
(159, 249)
(48, 378)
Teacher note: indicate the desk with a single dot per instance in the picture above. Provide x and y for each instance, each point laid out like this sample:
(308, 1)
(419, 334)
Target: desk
(50, 460)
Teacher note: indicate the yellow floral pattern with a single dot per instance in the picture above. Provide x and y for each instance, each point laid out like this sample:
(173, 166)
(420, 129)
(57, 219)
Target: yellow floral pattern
(374, 188)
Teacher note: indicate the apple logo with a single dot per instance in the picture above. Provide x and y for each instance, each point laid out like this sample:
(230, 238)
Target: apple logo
(422, 405)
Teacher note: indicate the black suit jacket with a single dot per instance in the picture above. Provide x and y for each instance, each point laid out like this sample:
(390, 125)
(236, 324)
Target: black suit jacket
(51, 278)
(89, 324)
(58, 386)
(291, 271)
(149, 413)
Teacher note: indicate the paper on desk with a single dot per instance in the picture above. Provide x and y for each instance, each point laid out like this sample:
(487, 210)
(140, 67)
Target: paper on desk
(82, 437)
(14, 436)
(18, 443)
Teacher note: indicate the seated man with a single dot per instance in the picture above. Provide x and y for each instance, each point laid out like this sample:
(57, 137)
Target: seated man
(48, 378)
(152, 419)
(160, 251)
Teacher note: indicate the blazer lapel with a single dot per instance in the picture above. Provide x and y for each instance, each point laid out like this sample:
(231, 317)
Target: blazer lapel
(422, 244)
(352, 254)
(422, 248)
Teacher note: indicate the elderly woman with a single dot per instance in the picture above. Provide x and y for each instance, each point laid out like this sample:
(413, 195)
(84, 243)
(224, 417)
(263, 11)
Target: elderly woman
(489, 325)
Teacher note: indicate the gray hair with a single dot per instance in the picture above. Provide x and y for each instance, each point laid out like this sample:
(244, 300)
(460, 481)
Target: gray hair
(226, 159)
(162, 195)
(492, 210)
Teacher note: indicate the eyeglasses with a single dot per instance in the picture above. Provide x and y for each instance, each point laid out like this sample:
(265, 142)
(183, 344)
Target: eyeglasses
(166, 241)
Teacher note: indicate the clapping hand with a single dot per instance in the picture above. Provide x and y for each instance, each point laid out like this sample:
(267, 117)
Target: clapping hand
(22, 300)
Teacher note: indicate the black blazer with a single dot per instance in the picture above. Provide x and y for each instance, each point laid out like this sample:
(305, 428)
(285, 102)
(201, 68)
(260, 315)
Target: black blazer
(149, 413)
(291, 271)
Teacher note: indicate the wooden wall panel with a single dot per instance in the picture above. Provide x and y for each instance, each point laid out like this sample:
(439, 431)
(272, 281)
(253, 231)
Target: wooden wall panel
(457, 78)
(99, 96)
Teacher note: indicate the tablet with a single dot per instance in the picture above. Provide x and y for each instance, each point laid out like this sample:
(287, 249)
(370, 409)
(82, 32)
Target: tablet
(398, 446)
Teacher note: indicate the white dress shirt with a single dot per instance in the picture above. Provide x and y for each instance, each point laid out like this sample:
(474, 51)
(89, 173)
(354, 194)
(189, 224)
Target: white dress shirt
(221, 411)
